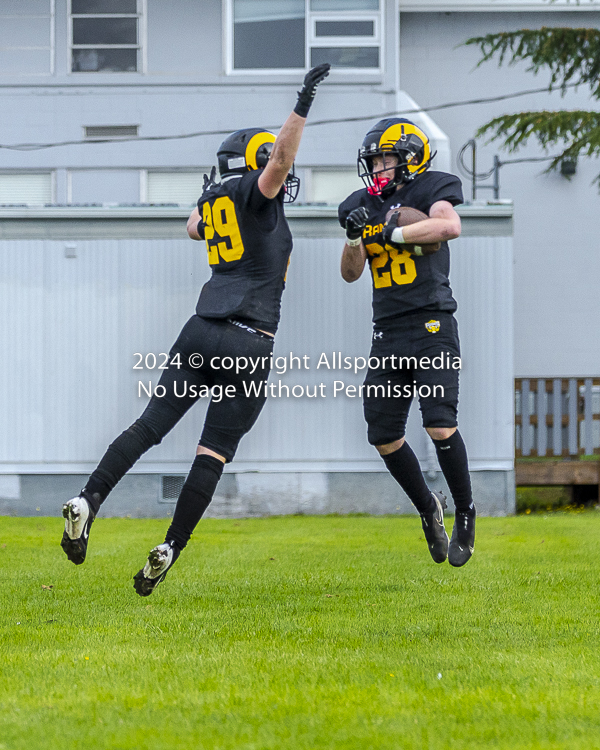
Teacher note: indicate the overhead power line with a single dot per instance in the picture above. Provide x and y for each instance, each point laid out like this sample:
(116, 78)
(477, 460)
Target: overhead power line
(311, 123)
(447, 105)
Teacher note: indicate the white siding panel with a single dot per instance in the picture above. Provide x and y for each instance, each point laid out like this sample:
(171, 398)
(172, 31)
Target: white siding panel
(73, 327)
(481, 278)
(73, 324)
(320, 314)
(80, 322)
(31, 8)
(26, 37)
(23, 32)
(159, 295)
(23, 391)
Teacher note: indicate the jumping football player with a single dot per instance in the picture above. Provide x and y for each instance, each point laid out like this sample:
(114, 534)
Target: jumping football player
(249, 245)
(413, 311)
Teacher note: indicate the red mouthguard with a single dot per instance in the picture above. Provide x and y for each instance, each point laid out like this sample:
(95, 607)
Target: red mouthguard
(379, 185)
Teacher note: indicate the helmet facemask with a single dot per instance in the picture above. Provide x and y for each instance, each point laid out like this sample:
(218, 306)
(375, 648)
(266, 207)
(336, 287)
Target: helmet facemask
(291, 186)
(249, 150)
(376, 180)
(399, 138)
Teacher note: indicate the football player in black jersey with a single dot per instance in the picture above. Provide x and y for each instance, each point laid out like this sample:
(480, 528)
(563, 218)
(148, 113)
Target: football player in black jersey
(249, 245)
(413, 317)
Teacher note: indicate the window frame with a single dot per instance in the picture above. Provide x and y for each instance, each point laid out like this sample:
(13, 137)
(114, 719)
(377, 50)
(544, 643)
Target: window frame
(51, 16)
(147, 173)
(51, 173)
(141, 46)
(315, 171)
(312, 41)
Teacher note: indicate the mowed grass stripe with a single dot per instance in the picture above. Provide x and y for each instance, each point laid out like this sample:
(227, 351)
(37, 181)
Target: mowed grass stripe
(301, 632)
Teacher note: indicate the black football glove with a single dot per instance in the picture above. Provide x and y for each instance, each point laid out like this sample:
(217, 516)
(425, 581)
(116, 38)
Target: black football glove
(209, 181)
(389, 229)
(311, 80)
(356, 222)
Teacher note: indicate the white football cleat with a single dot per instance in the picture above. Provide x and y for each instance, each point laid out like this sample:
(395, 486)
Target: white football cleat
(79, 516)
(159, 562)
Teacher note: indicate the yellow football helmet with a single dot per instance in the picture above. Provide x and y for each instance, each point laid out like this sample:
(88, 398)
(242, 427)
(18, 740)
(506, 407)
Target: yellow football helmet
(249, 149)
(400, 138)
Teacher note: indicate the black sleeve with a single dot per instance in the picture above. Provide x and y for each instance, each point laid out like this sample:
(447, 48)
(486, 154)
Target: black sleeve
(352, 201)
(263, 209)
(343, 213)
(447, 187)
(255, 200)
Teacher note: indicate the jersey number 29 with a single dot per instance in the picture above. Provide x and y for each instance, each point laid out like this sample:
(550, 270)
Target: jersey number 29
(221, 231)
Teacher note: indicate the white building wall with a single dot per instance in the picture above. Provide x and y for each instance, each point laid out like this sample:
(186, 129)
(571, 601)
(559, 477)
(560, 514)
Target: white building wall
(185, 89)
(557, 222)
(77, 311)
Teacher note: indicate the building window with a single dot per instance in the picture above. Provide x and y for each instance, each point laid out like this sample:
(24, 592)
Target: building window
(298, 34)
(183, 188)
(105, 36)
(26, 188)
(27, 38)
(332, 186)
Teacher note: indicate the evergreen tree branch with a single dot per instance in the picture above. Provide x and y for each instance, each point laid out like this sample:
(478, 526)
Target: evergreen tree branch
(567, 53)
(576, 132)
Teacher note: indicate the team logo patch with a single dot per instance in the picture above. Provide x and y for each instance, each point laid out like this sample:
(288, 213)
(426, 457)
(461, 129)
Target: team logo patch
(433, 326)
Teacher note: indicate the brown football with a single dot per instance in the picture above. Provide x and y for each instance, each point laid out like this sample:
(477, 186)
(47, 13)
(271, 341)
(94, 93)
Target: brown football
(406, 216)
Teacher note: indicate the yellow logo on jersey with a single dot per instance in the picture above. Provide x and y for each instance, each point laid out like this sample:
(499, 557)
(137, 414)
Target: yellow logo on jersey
(433, 326)
(372, 229)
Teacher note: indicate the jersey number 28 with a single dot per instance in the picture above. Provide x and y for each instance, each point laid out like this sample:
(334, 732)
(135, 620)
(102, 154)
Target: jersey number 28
(401, 271)
(221, 231)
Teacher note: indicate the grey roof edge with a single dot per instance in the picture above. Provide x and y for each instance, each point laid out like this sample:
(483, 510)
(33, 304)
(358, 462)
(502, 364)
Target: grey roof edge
(491, 210)
(498, 6)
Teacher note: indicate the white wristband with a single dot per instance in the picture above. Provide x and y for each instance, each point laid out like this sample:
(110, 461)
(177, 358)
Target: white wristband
(398, 236)
(353, 243)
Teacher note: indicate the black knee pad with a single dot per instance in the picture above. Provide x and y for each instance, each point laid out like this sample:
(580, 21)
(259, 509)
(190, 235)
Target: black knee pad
(444, 414)
(133, 443)
(145, 433)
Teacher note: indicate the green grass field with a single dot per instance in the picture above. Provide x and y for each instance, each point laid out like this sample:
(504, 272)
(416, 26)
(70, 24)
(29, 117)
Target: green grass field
(303, 633)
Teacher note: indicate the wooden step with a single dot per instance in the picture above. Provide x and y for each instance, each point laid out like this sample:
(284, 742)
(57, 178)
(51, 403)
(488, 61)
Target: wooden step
(557, 472)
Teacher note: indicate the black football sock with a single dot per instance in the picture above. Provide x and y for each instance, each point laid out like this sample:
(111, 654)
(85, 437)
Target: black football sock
(194, 499)
(404, 466)
(452, 456)
(120, 456)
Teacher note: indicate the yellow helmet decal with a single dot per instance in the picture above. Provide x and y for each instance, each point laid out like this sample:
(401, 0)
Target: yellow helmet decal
(395, 132)
(254, 144)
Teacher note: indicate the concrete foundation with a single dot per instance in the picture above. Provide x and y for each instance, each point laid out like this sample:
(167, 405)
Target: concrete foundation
(252, 494)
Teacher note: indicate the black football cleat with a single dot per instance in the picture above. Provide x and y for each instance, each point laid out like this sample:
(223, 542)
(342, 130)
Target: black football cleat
(79, 516)
(462, 543)
(160, 560)
(433, 527)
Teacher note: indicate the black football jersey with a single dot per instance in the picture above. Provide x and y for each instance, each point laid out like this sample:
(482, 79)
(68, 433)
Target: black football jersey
(249, 244)
(404, 283)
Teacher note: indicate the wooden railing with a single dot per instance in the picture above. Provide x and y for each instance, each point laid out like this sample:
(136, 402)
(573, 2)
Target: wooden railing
(557, 417)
